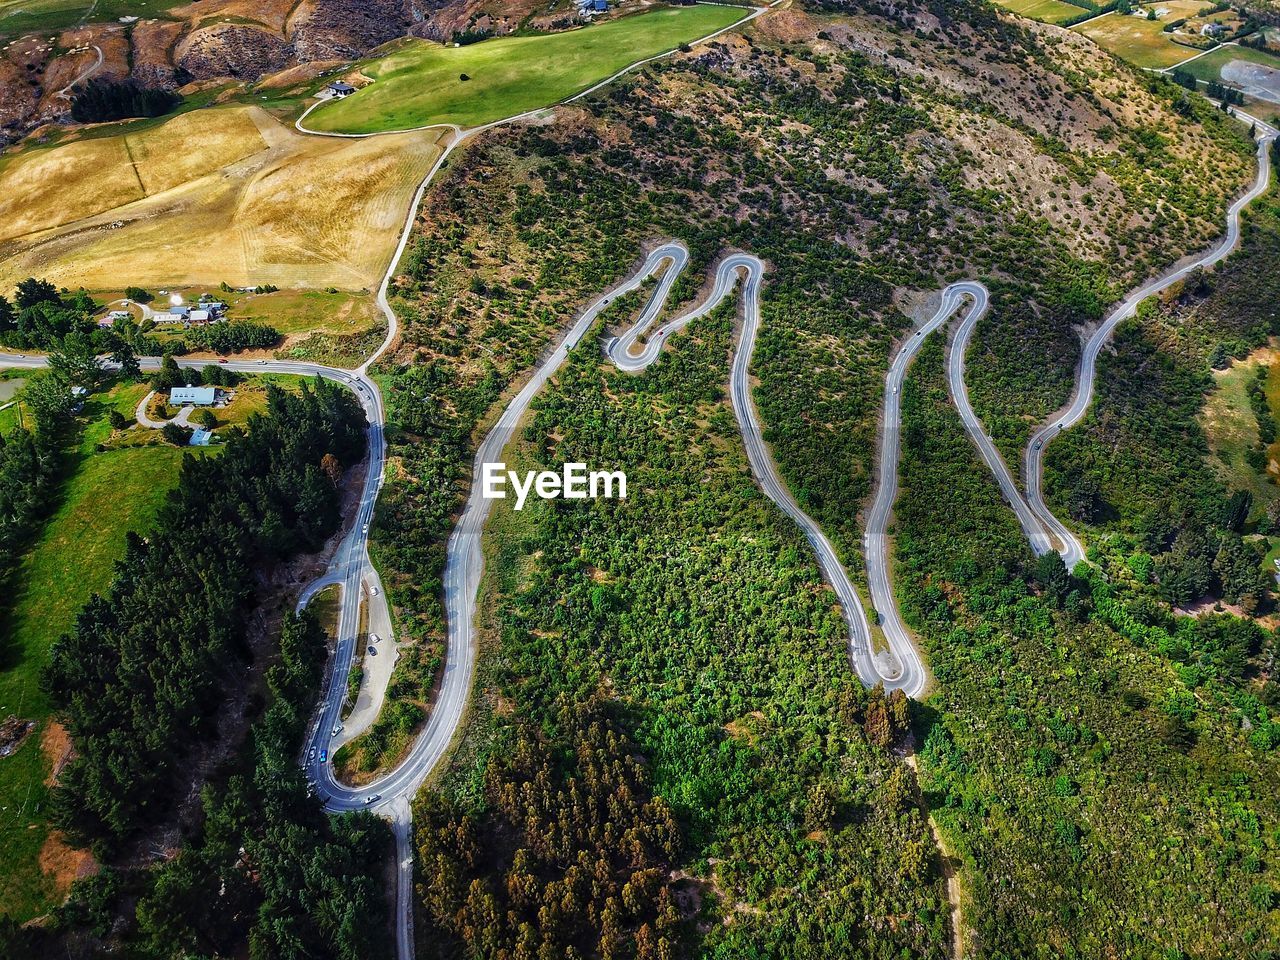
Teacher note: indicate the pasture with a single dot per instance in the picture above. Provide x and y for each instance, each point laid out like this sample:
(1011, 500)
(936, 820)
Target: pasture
(22, 16)
(1046, 11)
(422, 83)
(1140, 41)
(256, 203)
(105, 495)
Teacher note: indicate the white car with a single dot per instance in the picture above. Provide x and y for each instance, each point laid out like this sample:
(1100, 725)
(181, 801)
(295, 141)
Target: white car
(337, 728)
(262, 363)
(373, 799)
(373, 591)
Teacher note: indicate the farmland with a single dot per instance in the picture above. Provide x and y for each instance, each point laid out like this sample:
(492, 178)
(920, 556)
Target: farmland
(1047, 11)
(1140, 41)
(257, 203)
(425, 83)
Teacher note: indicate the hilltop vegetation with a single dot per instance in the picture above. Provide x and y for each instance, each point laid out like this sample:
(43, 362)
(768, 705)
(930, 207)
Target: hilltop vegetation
(862, 157)
(1100, 786)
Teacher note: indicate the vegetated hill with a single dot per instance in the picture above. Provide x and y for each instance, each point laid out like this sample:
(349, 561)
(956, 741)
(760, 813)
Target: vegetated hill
(870, 154)
(1174, 522)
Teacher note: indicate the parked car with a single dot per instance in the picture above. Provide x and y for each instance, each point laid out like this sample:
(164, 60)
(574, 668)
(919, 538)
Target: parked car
(337, 728)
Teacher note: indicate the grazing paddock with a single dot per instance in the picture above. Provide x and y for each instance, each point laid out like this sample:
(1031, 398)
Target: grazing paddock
(1046, 11)
(1140, 41)
(421, 83)
(253, 203)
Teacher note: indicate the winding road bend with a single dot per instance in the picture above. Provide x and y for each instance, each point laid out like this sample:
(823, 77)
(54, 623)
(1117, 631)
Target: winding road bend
(1040, 540)
(1086, 371)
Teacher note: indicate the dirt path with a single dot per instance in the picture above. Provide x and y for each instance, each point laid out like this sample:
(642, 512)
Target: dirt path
(949, 873)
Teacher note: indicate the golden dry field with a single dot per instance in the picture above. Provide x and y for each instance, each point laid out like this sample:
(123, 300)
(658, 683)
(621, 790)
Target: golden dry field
(222, 194)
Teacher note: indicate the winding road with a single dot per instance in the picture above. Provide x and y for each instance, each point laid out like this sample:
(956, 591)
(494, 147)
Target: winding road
(898, 667)
(1086, 371)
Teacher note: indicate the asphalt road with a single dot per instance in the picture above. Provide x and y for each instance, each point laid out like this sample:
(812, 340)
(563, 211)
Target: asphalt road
(1037, 536)
(901, 661)
(1086, 371)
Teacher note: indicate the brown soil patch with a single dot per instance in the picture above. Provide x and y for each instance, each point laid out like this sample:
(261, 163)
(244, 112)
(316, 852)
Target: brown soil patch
(65, 863)
(55, 744)
(12, 734)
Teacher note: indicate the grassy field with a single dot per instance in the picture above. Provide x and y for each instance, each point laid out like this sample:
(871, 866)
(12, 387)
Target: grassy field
(1209, 67)
(1047, 11)
(1140, 41)
(21, 16)
(1232, 429)
(297, 314)
(106, 494)
(421, 83)
(257, 203)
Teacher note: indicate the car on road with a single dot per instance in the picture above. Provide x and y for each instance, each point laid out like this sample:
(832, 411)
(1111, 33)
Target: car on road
(311, 755)
(372, 799)
(262, 362)
(365, 528)
(324, 756)
(1038, 442)
(222, 361)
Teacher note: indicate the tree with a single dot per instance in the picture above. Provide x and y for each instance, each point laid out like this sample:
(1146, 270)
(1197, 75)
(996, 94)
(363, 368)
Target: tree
(169, 375)
(331, 468)
(1052, 575)
(32, 291)
(49, 398)
(176, 434)
(206, 418)
(128, 360)
(76, 360)
(117, 420)
(138, 295)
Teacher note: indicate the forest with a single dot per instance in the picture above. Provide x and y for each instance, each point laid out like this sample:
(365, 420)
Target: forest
(143, 677)
(266, 872)
(724, 734)
(1168, 526)
(101, 101)
(886, 190)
